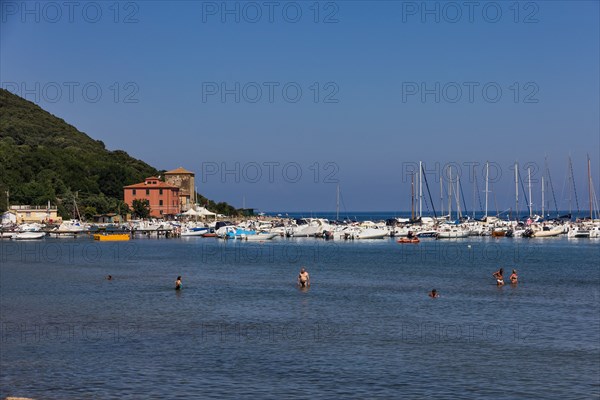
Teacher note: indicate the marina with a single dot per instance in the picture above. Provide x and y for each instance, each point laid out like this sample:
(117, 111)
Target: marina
(273, 227)
(300, 200)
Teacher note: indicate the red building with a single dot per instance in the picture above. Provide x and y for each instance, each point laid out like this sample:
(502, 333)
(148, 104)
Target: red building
(163, 197)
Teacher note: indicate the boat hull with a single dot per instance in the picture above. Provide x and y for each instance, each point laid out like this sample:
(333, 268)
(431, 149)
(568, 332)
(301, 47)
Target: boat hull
(260, 236)
(29, 236)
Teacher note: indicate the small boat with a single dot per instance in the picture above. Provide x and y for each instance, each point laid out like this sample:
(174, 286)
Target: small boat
(209, 234)
(408, 240)
(452, 234)
(119, 237)
(29, 235)
(370, 233)
(427, 233)
(547, 232)
(7, 235)
(194, 231)
(259, 236)
(501, 232)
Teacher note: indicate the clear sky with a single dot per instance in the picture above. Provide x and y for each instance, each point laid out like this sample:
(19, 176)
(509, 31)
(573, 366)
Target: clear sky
(275, 103)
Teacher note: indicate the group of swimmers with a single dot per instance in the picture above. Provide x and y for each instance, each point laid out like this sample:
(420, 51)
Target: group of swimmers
(303, 279)
(514, 278)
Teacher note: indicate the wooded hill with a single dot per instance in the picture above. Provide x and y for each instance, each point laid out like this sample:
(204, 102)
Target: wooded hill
(43, 158)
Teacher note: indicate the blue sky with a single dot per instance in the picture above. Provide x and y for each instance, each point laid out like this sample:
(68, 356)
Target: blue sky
(277, 108)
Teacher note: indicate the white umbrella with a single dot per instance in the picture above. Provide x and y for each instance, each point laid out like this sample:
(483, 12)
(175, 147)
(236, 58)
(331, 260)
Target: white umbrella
(202, 211)
(191, 213)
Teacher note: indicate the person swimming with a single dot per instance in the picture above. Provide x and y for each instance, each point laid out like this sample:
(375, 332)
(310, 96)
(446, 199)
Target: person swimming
(303, 278)
(109, 278)
(499, 277)
(433, 294)
(178, 283)
(514, 278)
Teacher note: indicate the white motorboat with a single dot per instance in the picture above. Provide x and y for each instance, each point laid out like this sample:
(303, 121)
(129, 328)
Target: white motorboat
(315, 227)
(259, 236)
(548, 232)
(31, 235)
(453, 233)
(578, 232)
(370, 233)
(193, 231)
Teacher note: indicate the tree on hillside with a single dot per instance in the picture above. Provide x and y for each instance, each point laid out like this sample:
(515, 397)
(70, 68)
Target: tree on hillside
(141, 208)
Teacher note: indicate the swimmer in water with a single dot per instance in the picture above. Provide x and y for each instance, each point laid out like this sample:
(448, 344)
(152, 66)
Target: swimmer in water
(499, 277)
(303, 278)
(514, 278)
(433, 294)
(109, 278)
(178, 283)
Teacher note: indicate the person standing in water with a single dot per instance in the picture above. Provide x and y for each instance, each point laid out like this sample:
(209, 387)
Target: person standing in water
(178, 283)
(514, 278)
(303, 278)
(499, 277)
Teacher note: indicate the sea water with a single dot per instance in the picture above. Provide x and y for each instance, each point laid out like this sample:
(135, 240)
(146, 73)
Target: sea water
(241, 328)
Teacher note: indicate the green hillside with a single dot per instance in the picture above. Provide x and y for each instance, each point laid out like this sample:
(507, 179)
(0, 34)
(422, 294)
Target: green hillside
(44, 158)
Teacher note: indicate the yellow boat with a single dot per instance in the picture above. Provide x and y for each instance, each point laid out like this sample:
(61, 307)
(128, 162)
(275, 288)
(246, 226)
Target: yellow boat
(117, 237)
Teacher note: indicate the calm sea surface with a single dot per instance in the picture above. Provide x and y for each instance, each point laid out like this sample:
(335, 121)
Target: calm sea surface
(241, 329)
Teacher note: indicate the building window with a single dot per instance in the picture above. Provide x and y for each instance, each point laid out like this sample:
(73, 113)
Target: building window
(147, 192)
(160, 203)
(133, 192)
(161, 212)
(160, 192)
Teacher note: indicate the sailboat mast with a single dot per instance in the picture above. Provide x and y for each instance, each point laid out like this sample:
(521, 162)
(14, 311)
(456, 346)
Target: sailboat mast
(458, 213)
(337, 204)
(530, 199)
(420, 189)
(487, 176)
(450, 195)
(570, 189)
(474, 191)
(517, 189)
(542, 197)
(412, 196)
(442, 193)
(590, 187)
